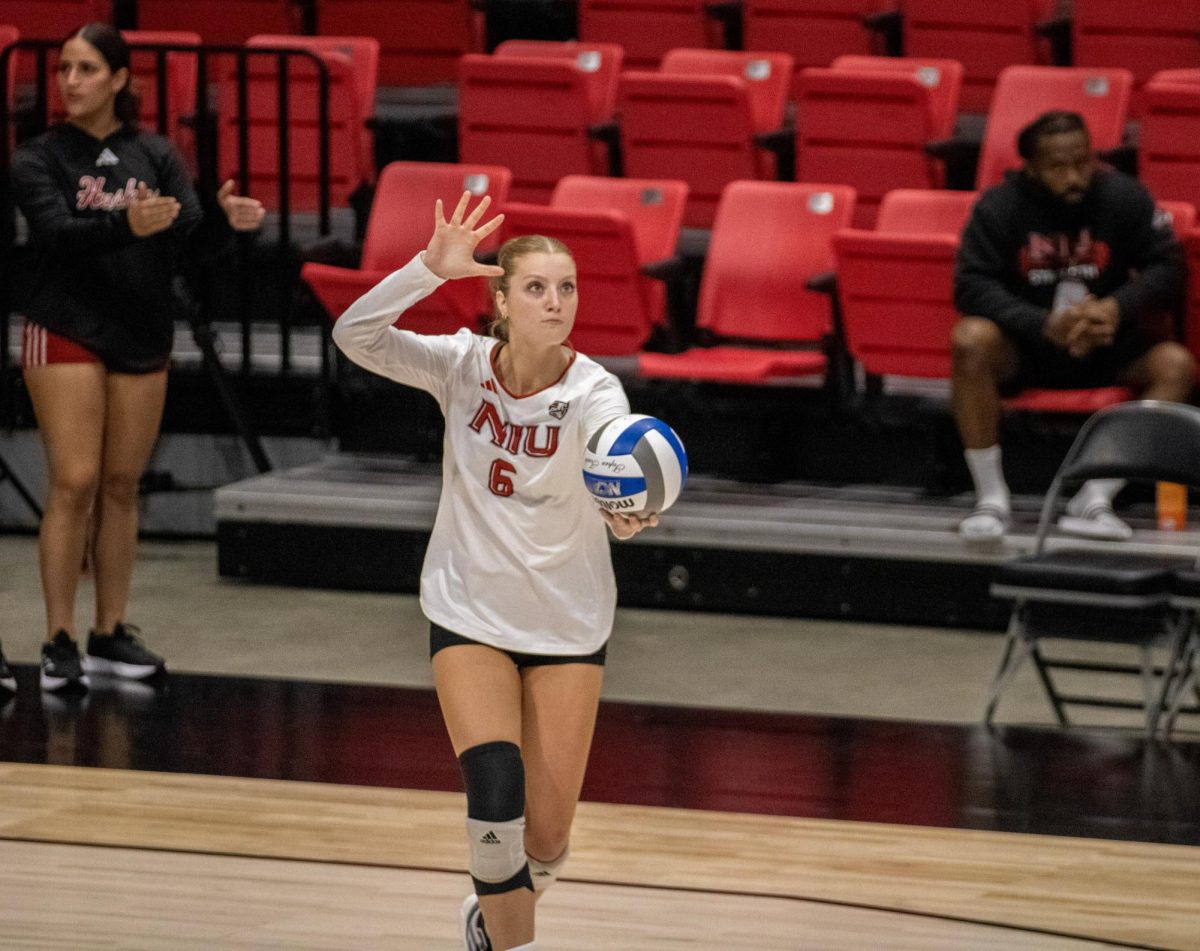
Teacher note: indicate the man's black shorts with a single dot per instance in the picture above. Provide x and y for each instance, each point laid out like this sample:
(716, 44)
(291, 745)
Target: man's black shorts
(1044, 366)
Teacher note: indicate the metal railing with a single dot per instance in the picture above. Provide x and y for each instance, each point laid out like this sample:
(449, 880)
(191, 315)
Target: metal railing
(206, 125)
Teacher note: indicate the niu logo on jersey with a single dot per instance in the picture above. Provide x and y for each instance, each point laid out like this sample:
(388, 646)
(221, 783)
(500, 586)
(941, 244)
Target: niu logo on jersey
(516, 439)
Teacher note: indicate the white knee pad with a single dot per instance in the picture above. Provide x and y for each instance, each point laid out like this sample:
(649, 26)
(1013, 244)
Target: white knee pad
(497, 850)
(545, 874)
(494, 777)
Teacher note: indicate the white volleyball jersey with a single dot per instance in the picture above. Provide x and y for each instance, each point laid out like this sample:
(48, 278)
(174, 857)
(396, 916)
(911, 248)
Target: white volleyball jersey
(519, 555)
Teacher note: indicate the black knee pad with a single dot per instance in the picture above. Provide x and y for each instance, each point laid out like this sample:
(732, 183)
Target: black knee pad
(494, 776)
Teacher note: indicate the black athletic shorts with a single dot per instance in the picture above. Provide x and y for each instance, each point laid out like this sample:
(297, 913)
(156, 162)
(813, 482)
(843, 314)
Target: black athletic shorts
(439, 638)
(1043, 365)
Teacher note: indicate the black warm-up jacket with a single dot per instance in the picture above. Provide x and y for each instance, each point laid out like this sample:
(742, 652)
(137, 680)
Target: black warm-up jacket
(1021, 241)
(94, 282)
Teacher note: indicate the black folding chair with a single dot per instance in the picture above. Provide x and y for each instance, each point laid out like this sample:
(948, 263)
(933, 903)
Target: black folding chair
(1102, 592)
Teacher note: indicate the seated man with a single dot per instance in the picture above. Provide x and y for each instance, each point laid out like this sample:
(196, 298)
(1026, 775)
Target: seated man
(1058, 264)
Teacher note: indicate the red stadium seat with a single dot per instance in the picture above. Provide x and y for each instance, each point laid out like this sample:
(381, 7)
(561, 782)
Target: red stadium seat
(868, 127)
(1023, 93)
(654, 207)
(1145, 38)
(350, 161)
(181, 71)
(698, 119)
(647, 29)
(533, 116)
(768, 239)
(601, 63)
(921, 211)
(765, 75)
(985, 37)
(896, 288)
(420, 40)
(614, 227)
(48, 20)
(942, 77)
(896, 284)
(399, 226)
(52, 19)
(812, 32)
(224, 22)
(363, 53)
(1169, 148)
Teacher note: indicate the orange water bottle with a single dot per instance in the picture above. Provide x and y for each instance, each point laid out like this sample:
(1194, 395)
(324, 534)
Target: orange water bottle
(1172, 507)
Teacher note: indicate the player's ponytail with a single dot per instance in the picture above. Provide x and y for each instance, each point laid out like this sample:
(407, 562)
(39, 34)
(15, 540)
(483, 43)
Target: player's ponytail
(510, 253)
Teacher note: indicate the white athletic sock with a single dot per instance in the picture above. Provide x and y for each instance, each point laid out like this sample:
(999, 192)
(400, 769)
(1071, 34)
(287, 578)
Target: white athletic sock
(988, 476)
(1093, 492)
(525, 947)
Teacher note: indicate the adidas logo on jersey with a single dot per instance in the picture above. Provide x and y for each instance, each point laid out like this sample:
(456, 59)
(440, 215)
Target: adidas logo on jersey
(489, 386)
(107, 158)
(490, 838)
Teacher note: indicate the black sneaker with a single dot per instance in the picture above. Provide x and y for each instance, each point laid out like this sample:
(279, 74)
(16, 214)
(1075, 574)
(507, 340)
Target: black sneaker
(7, 680)
(121, 654)
(60, 664)
(474, 937)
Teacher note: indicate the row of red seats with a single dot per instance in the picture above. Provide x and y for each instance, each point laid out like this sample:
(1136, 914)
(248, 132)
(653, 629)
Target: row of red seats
(767, 309)
(986, 37)
(536, 108)
(714, 116)
(351, 63)
(421, 40)
(895, 290)
(616, 228)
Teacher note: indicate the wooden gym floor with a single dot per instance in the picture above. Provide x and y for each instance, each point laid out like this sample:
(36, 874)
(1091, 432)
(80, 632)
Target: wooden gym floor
(219, 812)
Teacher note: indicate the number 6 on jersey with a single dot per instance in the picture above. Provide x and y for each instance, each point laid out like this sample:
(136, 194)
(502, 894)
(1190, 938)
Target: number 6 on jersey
(499, 480)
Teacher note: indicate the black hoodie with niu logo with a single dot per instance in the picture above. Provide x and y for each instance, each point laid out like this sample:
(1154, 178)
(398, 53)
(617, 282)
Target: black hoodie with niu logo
(1022, 242)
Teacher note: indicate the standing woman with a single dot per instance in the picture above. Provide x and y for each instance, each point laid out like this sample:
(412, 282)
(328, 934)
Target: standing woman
(111, 211)
(517, 582)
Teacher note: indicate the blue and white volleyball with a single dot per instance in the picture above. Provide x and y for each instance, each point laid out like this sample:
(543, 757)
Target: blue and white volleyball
(635, 465)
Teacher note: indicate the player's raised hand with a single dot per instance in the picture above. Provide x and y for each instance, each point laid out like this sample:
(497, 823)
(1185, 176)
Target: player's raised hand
(451, 250)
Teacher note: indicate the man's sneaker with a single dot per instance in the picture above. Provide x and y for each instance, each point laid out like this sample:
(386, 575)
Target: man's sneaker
(61, 667)
(7, 680)
(987, 522)
(1094, 520)
(474, 937)
(121, 654)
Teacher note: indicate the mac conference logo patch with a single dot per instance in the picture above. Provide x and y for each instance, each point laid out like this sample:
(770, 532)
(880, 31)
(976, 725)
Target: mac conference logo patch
(558, 409)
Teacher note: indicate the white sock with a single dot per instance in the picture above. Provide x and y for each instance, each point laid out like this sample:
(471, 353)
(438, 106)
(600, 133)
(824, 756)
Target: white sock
(1096, 491)
(988, 476)
(525, 947)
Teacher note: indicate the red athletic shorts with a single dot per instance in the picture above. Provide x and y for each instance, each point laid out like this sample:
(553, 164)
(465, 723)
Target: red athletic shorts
(41, 347)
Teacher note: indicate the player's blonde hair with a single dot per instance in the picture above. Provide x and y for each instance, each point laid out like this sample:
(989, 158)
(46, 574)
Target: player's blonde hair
(509, 255)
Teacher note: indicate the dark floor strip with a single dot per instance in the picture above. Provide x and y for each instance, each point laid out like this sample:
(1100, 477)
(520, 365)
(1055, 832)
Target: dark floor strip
(1100, 784)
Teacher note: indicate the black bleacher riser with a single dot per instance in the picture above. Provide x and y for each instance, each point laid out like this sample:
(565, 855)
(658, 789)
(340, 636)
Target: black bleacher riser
(891, 590)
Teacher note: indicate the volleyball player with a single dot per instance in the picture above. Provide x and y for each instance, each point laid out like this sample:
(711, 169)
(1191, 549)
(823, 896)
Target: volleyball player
(517, 582)
(111, 211)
